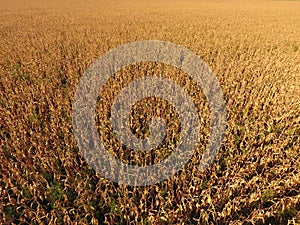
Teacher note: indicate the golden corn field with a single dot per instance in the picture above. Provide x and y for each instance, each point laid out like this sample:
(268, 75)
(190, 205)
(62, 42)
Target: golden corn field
(252, 47)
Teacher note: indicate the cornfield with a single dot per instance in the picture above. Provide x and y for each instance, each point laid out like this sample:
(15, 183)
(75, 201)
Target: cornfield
(252, 47)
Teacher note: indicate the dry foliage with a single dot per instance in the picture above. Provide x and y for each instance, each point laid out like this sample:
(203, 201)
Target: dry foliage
(254, 50)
